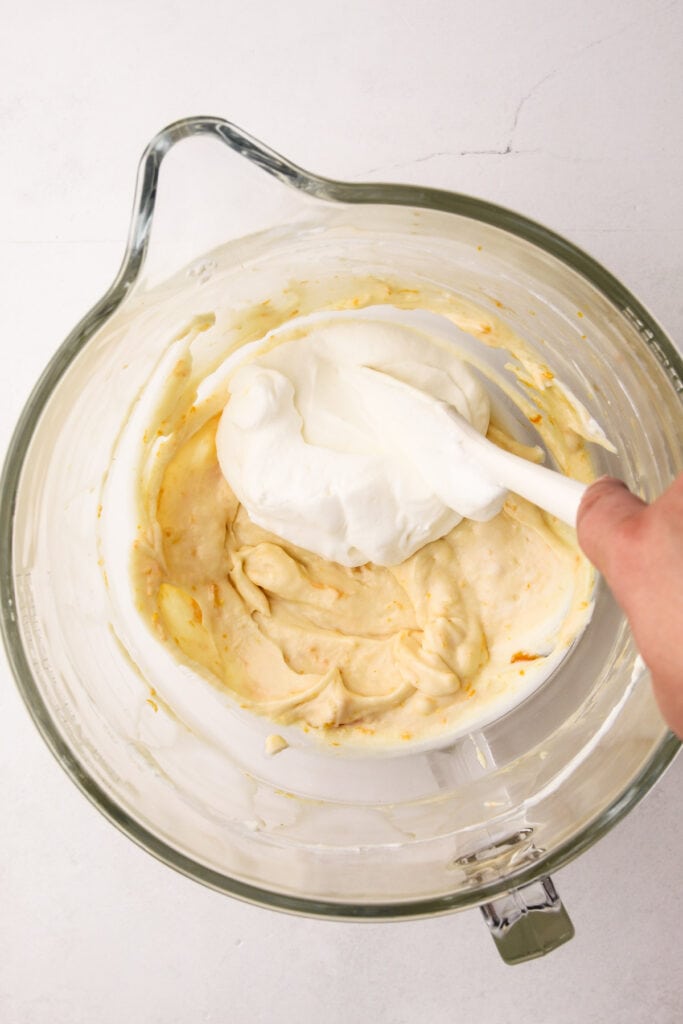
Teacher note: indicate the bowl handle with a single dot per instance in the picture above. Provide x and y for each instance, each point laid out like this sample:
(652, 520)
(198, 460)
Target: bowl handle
(528, 922)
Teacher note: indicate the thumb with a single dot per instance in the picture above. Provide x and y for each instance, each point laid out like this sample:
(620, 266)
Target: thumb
(606, 515)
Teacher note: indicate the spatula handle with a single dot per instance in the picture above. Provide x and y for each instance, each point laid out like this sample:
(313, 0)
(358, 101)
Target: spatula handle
(551, 491)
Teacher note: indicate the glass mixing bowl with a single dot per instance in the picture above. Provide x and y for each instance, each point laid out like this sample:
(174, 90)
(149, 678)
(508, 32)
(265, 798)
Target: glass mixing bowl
(484, 819)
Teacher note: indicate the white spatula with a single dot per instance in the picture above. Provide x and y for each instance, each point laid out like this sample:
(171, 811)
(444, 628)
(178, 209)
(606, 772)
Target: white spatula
(469, 473)
(550, 490)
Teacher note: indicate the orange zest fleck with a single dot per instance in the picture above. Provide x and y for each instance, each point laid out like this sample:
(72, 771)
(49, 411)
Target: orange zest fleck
(524, 656)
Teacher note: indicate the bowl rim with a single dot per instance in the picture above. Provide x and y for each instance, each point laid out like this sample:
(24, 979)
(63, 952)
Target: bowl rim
(330, 190)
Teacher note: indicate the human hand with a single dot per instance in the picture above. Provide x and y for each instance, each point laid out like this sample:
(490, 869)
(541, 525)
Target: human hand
(639, 550)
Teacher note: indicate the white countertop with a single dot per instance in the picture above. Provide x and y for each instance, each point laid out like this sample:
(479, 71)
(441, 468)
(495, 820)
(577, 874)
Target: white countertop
(570, 112)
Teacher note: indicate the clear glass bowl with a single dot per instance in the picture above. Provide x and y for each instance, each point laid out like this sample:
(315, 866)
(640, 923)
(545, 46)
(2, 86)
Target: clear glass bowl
(481, 821)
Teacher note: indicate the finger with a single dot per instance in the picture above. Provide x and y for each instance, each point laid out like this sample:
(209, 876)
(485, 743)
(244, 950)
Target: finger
(607, 507)
(670, 503)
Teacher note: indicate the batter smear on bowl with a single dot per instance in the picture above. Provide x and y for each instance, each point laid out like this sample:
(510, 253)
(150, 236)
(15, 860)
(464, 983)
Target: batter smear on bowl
(383, 616)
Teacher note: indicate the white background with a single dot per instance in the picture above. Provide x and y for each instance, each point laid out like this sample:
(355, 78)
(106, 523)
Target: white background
(572, 113)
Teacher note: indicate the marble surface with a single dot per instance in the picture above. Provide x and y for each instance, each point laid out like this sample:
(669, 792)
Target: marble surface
(570, 112)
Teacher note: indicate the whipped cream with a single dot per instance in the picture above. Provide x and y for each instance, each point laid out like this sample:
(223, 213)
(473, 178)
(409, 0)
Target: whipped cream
(326, 447)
